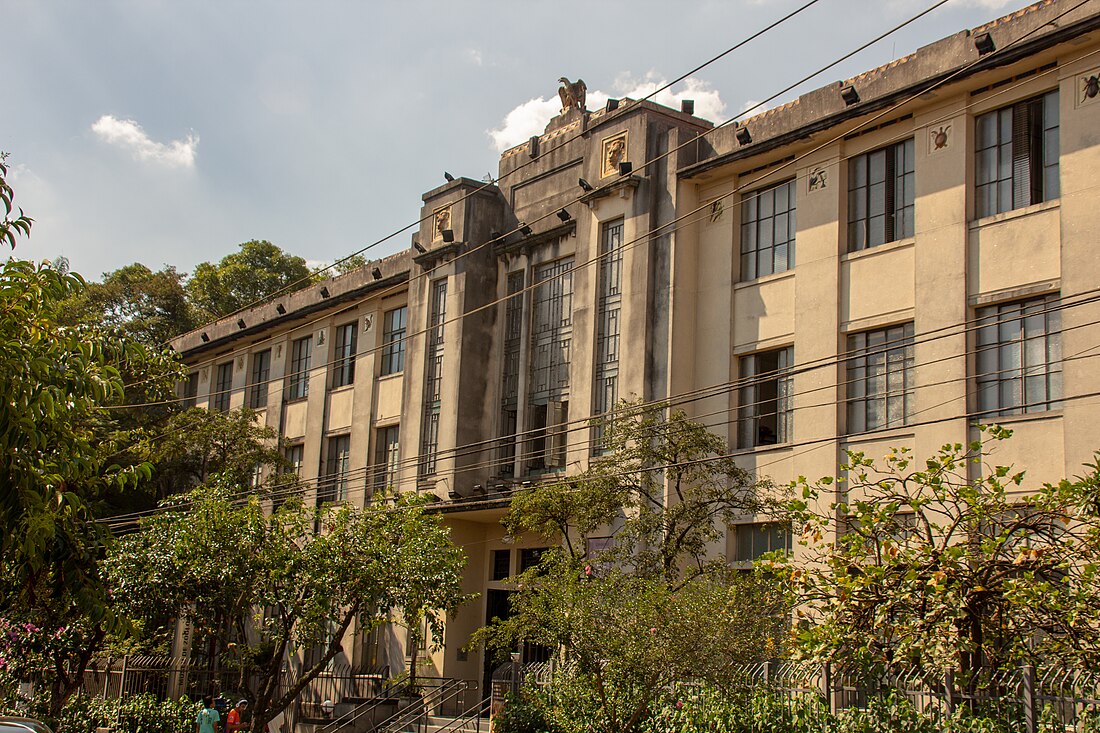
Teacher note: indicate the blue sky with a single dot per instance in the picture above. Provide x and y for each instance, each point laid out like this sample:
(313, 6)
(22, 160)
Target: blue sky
(169, 132)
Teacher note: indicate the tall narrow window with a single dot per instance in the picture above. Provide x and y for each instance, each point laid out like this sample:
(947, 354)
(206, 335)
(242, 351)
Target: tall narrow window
(1019, 359)
(394, 326)
(261, 372)
(387, 457)
(879, 383)
(190, 390)
(767, 231)
(605, 391)
(223, 386)
(880, 196)
(294, 455)
(551, 348)
(1016, 151)
(433, 378)
(298, 382)
(334, 485)
(764, 412)
(343, 367)
(509, 401)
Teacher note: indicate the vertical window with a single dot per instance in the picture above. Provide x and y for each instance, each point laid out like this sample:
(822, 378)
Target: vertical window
(767, 231)
(509, 399)
(755, 540)
(1016, 153)
(530, 557)
(343, 367)
(334, 486)
(764, 410)
(433, 382)
(551, 348)
(605, 391)
(294, 455)
(223, 386)
(502, 564)
(387, 457)
(394, 326)
(257, 476)
(190, 390)
(1019, 359)
(880, 196)
(879, 383)
(261, 372)
(298, 383)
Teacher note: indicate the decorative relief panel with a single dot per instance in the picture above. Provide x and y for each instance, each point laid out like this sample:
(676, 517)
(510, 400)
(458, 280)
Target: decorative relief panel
(940, 138)
(818, 179)
(1088, 87)
(442, 221)
(614, 152)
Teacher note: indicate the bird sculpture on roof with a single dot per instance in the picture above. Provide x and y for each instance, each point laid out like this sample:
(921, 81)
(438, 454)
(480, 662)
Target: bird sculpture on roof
(572, 94)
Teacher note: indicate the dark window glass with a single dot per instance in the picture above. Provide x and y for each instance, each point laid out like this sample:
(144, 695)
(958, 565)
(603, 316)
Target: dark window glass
(261, 372)
(190, 390)
(879, 381)
(502, 564)
(513, 340)
(880, 196)
(754, 540)
(387, 457)
(605, 391)
(767, 231)
(1019, 357)
(334, 485)
(343, 367)
(764, 411)
(1016, 155)
(223, 387)
(298, 382)
(433, 382)
(530, 557)
(394, 326)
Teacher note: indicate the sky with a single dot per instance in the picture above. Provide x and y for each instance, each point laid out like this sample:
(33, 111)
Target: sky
(168, 133)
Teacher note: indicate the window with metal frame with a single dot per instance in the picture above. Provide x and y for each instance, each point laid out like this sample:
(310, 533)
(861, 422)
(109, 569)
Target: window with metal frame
(223, 387)
(298, 380)
(1016, 155)
(881, 196)
(261, 373)
(190, 390)
(879, 385)
(334, 485)
(605, 391)
(433, 381)
(509, 399)
(1019, 357)
(394, 327)
(752, 541)
(764, 412)
(343, 363)
(387, 457)
(767, 230)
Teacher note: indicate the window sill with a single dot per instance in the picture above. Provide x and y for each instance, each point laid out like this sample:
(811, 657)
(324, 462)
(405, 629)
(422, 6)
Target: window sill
(393, 375)
(342, 388)
(761, 449)
(765, 279)
(878, 249)
(1009, 420)
(895, 433)
(292, 400)
(1015, 213)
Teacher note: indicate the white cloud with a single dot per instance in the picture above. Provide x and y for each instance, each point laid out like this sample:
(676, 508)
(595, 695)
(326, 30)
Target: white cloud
(530, 118)
(752, 107)
(128, 135)
(474, 56)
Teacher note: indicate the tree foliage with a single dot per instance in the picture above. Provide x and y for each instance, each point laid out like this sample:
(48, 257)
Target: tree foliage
(948, 565)
(10, 226)
(220, 562)
(655, 603)
(152, 307)
(243, 278)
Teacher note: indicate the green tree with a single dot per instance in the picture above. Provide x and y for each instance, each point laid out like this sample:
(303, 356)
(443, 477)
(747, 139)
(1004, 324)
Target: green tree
(245, 277)
(152, 307)
(59, 461)
(656, 605)
(220, 562)
(350, 264)
(9, 226)
(949, 565)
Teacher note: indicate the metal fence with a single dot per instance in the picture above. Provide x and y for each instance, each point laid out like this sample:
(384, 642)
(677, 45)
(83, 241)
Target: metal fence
(1025, 699)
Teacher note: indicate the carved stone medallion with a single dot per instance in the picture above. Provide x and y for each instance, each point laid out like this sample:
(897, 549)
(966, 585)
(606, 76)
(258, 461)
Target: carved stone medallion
(614, 152)
(442, 221)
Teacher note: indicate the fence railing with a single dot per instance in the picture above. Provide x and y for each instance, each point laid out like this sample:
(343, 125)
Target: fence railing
(1028, 699)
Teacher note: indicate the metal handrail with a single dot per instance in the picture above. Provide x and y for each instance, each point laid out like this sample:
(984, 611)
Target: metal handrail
(442, 696)
(385, 695)
(477, 712)
(448, 689)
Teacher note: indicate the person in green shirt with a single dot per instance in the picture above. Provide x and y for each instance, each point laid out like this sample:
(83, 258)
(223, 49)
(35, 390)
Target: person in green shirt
(208, 718)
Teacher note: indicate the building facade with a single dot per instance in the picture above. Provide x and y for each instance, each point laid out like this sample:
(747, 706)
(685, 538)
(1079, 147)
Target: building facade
(889, 261)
